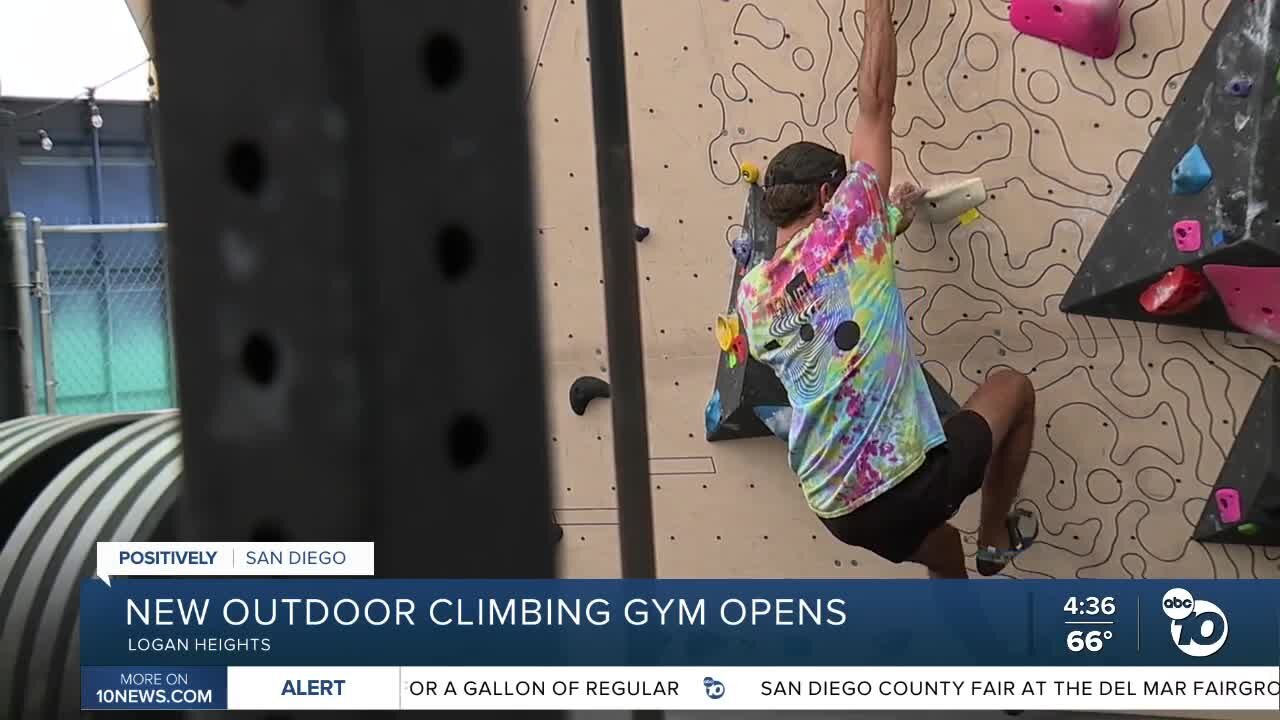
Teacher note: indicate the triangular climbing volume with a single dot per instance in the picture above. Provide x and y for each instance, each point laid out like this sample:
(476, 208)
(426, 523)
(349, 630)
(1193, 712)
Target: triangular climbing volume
(1204, 194)
(1244, 506)
(743, 383)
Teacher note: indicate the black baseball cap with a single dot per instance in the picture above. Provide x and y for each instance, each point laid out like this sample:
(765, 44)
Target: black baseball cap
(805, 163)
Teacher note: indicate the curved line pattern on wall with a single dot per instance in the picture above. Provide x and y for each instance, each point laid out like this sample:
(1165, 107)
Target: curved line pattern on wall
(1134, 420)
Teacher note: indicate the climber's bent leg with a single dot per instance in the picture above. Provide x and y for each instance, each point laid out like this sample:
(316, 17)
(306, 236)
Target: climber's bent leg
(908, 523)
(1007, 401)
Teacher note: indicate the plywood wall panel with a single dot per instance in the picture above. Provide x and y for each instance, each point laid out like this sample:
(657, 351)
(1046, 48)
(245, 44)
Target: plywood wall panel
(1134, 420)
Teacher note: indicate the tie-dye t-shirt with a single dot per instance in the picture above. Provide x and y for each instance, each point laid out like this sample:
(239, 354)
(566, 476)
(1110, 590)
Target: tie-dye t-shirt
(826, 315)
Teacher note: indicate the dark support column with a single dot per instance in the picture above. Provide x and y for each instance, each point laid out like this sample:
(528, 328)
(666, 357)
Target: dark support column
(355, 285)
(622, 295)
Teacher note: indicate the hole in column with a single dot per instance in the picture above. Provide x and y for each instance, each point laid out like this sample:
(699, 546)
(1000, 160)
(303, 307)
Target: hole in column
(442, 60)
(258, 359)
(455, 252)
(268, 531)
(246, 167)
(468, 441)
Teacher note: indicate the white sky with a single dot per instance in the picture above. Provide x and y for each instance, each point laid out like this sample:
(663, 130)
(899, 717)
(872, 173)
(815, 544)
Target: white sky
(57, 48)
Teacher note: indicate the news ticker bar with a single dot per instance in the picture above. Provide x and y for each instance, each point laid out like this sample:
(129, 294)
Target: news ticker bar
(680, 688)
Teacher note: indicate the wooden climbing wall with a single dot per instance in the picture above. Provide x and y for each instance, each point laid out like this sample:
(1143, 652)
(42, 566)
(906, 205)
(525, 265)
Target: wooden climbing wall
(1134, 420)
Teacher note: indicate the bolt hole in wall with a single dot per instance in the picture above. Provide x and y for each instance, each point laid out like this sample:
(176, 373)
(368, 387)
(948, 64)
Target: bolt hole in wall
(269, 531)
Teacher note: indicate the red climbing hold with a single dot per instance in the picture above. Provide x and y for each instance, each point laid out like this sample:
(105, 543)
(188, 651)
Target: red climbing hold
(1091, 27)
(739, 348)
(1181, 289)
(1252, 297)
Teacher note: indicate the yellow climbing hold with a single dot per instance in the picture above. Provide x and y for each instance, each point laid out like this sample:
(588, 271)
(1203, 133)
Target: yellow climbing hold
(969, 216)
(750, 172)
(726, 330)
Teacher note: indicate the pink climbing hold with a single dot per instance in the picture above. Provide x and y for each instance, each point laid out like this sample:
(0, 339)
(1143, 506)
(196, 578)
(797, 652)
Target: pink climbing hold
(1186, 235)
(1228, 501)
(1091, 27)
(1252, 297)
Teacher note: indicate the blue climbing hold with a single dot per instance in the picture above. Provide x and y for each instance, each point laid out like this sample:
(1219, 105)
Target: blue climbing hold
(743, 250)
(1240, 86)
(1192, 174)
(1219, 238)
(714, 413)
(775, 417)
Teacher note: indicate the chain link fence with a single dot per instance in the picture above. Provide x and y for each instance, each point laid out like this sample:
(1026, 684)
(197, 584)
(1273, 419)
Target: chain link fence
(103, 312)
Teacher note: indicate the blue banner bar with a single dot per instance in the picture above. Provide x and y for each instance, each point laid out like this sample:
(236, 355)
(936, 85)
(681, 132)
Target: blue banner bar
(350, 622)
(153, 688)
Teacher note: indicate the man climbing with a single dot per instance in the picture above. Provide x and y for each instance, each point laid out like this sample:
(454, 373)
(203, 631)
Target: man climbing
(876, 463)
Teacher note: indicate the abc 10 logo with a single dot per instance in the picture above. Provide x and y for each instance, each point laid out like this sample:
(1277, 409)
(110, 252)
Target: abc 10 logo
(1199, 627)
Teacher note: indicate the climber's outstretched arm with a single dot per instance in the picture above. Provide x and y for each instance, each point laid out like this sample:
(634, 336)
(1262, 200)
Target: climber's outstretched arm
(877, 82)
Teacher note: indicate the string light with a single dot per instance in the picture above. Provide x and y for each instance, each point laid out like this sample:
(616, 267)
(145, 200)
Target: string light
(95, 113)
(82, 96)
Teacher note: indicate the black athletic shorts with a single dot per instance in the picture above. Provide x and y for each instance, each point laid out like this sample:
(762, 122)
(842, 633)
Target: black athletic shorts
(895, 524)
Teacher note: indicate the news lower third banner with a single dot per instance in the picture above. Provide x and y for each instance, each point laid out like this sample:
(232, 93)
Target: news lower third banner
(363, 643)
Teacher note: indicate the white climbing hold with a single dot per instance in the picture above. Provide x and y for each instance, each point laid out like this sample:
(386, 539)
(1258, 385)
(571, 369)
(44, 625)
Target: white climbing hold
(947, 203)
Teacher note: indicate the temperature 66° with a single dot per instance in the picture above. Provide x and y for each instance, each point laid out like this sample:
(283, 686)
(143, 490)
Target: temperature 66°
(1090, 640)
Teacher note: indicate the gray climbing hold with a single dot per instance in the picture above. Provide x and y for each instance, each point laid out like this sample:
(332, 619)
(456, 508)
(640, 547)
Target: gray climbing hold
(584, 390)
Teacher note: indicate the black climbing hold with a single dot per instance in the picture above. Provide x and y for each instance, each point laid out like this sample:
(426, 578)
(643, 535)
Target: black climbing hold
(1252, 470)
(559, 533)
(642, 232)
(806, 332)
(584, 390)
(847, 335)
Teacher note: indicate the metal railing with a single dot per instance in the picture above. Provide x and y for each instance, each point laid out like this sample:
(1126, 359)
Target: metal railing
(102, 307)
